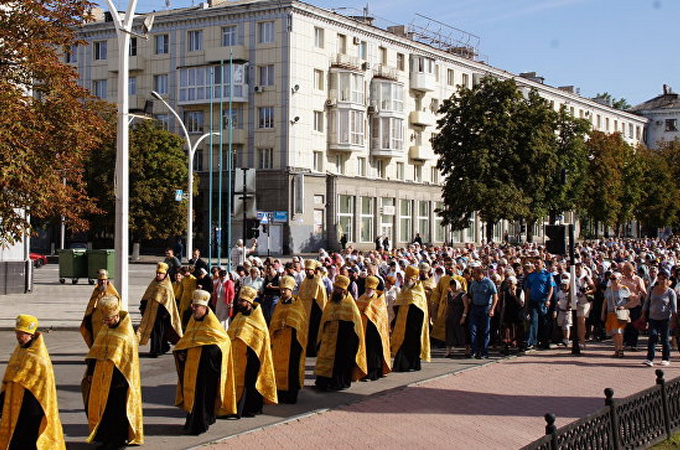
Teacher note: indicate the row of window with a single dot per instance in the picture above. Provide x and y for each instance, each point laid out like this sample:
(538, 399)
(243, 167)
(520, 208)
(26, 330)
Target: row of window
(194, 41)
(395, 217)
(378, 168)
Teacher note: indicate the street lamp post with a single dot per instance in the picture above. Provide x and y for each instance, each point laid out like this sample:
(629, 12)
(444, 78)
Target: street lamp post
(191, 150)
(122, 179)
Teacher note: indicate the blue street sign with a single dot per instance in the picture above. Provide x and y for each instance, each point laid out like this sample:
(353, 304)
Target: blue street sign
(178, 195)
(280, 216)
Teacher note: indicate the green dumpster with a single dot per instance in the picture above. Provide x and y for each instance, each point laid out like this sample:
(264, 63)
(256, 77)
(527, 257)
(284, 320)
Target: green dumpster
(100, 259)
(72, 264)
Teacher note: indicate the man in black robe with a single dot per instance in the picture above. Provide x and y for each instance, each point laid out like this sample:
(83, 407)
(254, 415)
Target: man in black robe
(199, 392)
(341, 358)
(410, 335)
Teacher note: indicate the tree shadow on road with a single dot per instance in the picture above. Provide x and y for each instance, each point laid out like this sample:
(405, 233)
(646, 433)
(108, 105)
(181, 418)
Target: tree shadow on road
(425, 400)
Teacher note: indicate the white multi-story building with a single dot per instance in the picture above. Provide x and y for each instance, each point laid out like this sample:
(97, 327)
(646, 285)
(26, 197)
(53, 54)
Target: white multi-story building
(335, 113)
(663, 112)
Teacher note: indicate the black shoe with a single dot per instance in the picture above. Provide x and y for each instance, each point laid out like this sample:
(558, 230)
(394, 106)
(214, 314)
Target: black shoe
(478, 356)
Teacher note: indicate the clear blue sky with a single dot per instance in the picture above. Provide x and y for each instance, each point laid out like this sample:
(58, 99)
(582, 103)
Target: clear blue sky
(628, 48)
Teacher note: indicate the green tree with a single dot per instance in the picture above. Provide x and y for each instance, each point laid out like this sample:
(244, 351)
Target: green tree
(671, 154)
(620, 103)
(658, 205)
(158, 166)
(537, 166)
(602, 188)
(48, 124)
(477, 147)
(566, 189)
(632, 191)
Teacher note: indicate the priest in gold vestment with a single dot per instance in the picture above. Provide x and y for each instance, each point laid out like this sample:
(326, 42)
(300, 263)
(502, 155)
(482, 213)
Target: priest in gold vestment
(92, 321)
(288, 330)
(251, 349)
(341, 358)
(373, 309)
(205, 367)
(411, 330)
(28, 399)
(313, 294)
(114, 398)
(160, 318)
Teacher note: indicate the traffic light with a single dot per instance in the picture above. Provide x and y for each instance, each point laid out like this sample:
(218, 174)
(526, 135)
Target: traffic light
(557, 243)
(252, 228)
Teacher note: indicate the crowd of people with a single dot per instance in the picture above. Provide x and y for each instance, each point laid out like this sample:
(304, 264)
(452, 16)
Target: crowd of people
(240, 337)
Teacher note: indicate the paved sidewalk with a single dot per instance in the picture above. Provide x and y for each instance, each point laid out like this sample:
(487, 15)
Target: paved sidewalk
(497, 406)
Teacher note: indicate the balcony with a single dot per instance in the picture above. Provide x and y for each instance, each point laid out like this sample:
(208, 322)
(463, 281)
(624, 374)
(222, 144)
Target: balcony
(383, 71)
(421, 152)
(136, 63)
(379, 152)
(422, 118)
(423, 81)
(239, 136)
(344, 61)
(217, 54)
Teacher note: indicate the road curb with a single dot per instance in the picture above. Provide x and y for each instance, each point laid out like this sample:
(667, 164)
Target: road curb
(315, 412)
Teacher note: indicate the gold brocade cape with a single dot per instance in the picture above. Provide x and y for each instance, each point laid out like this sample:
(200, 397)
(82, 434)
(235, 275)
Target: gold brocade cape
(187, 288)
(411, 298)
(198, 334)
(375, 310)
(177, 289)
(429, 286)
(251, 331)
(333, 313)
(156, 295)
(93, 314)
(312, 289)
(31, 368)
(439, 295)
(116, 347)
(288, 317)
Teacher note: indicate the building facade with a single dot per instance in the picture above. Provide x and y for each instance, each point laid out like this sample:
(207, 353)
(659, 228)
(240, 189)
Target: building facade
(335, 113)
(663, 112)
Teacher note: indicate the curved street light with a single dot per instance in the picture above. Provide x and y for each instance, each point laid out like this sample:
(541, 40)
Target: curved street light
(190, 188)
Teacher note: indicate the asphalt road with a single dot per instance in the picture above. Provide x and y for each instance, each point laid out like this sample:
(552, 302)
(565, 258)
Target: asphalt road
(62, 306)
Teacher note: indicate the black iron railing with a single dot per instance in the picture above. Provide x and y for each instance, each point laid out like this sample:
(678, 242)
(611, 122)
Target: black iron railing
(637, 421)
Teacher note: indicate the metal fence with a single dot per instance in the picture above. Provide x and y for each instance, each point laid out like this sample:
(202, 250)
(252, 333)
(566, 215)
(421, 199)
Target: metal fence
(638, 421)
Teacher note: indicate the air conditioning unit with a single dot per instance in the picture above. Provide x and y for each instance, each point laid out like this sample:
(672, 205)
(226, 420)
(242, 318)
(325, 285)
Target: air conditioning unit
(372, 110)
(356, 40)
(258, 89)
(388, 210)
(366, 66)
(330, 102)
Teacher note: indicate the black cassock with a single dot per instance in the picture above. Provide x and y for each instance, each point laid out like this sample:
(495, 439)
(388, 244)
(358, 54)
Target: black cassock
(27, 428)
(202, 415)
(114, 425)
(251, 401)
(374, 352)
(407, 358)
(314, 321)
(346, 348)
(291, 395)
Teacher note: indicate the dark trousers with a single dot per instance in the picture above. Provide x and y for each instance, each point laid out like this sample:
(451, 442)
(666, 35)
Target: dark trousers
(630, 334)
(268, 304)
(479, 330)
(658, 329)
(538, 323)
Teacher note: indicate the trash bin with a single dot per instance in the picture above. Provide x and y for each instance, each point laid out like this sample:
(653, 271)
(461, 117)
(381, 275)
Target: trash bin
(72, 264)
(100, 259)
